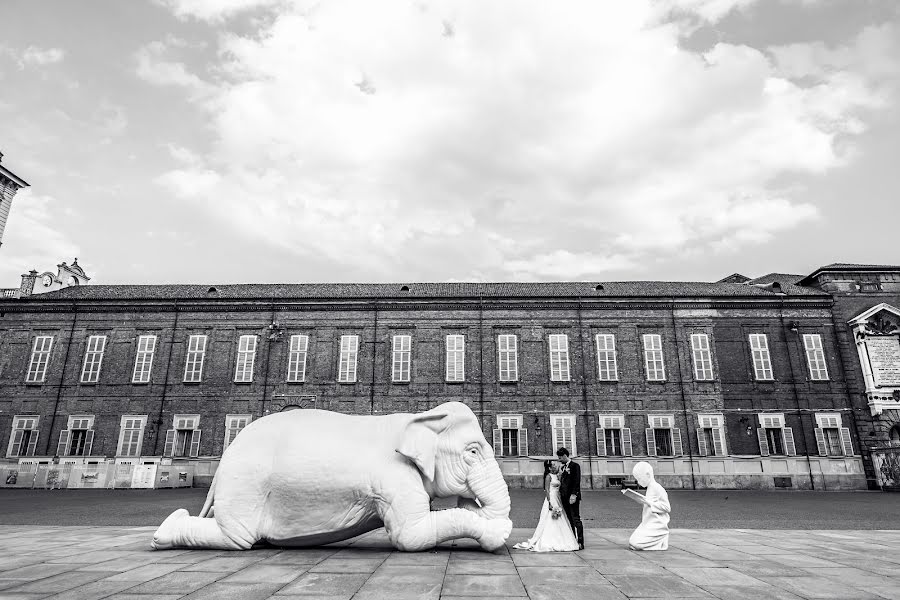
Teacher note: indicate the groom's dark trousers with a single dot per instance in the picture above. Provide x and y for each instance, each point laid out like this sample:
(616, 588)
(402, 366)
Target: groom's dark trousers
(569, 484)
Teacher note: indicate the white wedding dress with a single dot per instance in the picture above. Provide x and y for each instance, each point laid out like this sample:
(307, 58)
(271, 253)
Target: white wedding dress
(551, 535)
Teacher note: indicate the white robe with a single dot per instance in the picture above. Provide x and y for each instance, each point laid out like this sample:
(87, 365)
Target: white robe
(653, 532)
(551, 535)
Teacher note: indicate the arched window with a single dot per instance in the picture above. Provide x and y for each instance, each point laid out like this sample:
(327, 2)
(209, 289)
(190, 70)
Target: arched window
(895, 435)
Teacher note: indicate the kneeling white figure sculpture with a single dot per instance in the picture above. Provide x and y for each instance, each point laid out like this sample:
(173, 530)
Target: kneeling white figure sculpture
(653, 532)
(313, 477)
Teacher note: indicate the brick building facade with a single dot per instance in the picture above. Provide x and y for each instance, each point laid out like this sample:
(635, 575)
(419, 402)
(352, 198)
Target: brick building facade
(737, 384)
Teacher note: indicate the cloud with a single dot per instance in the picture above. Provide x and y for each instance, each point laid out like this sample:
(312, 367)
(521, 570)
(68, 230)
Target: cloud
(154, 69)
(213, 10)
(34, 56)
(525, 144)
(33, 238)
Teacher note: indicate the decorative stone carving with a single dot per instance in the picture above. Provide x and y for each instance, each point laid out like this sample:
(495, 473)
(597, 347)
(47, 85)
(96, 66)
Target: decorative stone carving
(877, 336)
(653, 532)
(312, 477)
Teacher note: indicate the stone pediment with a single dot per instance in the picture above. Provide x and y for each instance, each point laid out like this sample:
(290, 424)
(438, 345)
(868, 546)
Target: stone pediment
(877, 334)
(882, 319)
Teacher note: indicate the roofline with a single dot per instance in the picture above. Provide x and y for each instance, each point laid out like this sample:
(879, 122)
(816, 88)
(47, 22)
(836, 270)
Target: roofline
(848, 269)
(4, 172)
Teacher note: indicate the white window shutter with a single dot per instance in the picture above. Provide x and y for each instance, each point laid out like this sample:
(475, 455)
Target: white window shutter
(498, 442)
(601, 442)
(15, 445)
(676, 442)
(88, 442)
(62, 449)
(846, 441)
(763, 442)
(626, 441)
(651, 442)
(789, 447)
(523, 442)
(195, 443)
(719, 442)
(169, 448)
(820, 441)
(701, 442)
(32, 443)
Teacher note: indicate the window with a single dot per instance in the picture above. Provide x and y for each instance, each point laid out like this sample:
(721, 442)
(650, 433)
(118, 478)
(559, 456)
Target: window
(246, 358)
(653, 357)
(193, 365)
(563, 427)
(93, 358)
(131, 435)
(297, 358)
(78, 437)
(143, 362)
(703, 370)
(762, 363)
(508, 357)
(24, 437)
(559, 357)
(233, 426)
(774, 437)
(711, 435)
(401, 358)
(831, 438)
(40, 358)
(663, 438)
(606, 357)
(815, 356)
(349, 353)
(510, 438)
(613, 438)
(183, 440)
(455, 346)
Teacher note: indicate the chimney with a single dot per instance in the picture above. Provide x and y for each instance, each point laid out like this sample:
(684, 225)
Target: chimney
(28, 281)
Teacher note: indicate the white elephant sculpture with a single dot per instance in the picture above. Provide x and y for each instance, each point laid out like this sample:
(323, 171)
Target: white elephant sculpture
(312, 477)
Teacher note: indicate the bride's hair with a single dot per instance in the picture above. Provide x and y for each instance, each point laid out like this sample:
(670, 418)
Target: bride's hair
(547, 465)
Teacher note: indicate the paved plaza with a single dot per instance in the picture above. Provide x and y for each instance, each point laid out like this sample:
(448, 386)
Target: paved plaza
(117, 563)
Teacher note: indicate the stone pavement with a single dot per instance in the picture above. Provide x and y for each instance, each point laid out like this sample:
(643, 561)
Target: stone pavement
(116, 563)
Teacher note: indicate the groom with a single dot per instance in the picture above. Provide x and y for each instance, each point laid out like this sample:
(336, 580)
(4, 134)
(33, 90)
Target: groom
(570, 493)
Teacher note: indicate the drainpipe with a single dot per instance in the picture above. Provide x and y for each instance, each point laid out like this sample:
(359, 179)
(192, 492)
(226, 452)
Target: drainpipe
(684, 410)
(272, 338)
(787, 343)
(481, 361)
(162, 400)
(62, 380)
(374, 352)
(584, 397)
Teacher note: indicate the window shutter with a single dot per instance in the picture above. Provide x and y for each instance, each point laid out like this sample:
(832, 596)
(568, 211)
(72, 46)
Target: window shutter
(626, 441)
(195, 443)
(15, 447)
(32, 443)
(763, 443)
(820, 441)
(676, 442)
(718, 442)
(88, 442)
(523, 442)
(846, 441)
(498, 442)
(651, 442)
(169, 449)
(701, 443)
(62, 449)
(601, 442)
(789, 446)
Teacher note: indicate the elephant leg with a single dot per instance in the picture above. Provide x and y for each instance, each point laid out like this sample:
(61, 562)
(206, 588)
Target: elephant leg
(180, 530)
(412, 527)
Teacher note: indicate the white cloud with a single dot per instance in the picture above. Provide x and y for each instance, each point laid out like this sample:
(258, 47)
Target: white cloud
(213, 10)
(34, 55)
(33, 238)
(521, 143)
(153, 68)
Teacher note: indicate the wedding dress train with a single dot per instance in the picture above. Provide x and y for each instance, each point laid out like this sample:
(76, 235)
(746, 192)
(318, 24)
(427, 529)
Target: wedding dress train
(551, 535)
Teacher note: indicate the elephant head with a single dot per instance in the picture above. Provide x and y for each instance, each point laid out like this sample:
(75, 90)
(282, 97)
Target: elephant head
(448, 447)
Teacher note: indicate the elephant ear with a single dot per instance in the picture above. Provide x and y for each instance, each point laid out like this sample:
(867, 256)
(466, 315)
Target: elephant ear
(419, 440)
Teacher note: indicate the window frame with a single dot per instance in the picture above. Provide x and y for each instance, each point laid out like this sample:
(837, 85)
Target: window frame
(195, 357)
(573, 450)
(66, 437)
(560, 366)
(120, 446)
(658, 374)
(833, 421)
(245, 360)
(455, 358)
(607, 355)
(715, 423)
(817, 366)
(401, 358)
(18, 424)
(613, 422)
(702, 357)
(40, 359)
(93, 358)
(298, 353)
(232, 429)
(348, 356)
(510, 422)
(511, 358)
(143, 359)
(761, 357)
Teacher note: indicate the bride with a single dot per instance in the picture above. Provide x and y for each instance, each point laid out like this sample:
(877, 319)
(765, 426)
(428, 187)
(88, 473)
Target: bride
(553, 533)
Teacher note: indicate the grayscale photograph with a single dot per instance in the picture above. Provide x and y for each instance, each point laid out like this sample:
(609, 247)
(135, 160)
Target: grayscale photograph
(449, 299)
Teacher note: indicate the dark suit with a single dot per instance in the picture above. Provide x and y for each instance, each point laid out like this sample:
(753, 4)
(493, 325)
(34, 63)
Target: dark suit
(569, 484)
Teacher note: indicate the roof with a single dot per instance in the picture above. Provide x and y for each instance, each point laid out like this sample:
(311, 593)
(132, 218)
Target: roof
(734, 278)
(847, 267)
(782, 278)
(4, 172)
(265, 291)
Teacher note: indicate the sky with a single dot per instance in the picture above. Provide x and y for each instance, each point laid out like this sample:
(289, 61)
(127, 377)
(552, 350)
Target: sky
(229, 141)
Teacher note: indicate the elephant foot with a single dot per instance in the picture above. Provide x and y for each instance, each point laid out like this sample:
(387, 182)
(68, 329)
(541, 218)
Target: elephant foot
(496, 532)
(164, 537)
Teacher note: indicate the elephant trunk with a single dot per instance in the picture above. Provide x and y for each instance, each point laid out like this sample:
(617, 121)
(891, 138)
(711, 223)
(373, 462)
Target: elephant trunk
(487, 484)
